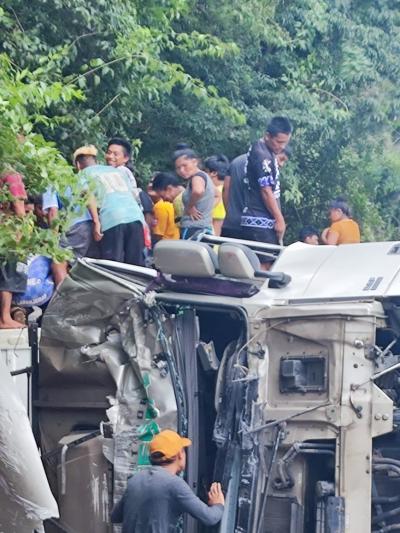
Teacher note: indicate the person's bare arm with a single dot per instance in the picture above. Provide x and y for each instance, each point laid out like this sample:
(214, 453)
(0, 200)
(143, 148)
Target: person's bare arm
(198, 189)
(225, 191)
(329, 237)
(149, 218)
(19, 208)
(217, 196)
(271, 204)
(52, 214)
(92, 207)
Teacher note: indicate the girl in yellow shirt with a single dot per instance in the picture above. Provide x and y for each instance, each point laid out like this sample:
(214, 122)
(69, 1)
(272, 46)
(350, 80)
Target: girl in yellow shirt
(217, 167)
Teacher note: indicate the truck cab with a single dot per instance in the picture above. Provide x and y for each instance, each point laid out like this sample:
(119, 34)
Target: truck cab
(286, 381)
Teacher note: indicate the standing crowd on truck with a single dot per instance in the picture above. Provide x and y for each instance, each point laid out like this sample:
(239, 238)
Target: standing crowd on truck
(123, 220)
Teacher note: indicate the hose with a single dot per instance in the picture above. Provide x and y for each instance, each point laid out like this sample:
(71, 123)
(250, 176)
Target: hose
(386, 515)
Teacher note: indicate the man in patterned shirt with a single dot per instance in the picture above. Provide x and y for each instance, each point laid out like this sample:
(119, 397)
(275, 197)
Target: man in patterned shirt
(262, 218)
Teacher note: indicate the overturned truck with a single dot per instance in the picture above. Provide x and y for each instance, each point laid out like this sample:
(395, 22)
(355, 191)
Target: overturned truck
(288, 383)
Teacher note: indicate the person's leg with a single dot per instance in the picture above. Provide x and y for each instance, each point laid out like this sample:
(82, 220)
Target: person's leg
(13, 280)
(112, 244)
(233, 233)
(6, 321)
(134, 243)
(217, 225)
(94, 251)
(59, 271)
(80, 237)
(227, 232)
(265, 235)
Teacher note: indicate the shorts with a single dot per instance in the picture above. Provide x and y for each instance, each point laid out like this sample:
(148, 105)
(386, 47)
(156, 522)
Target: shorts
(265, 235)
(231, 233)
(124, 243)
(219, 212)
(13, 277)
(79, 237)
(187, 233)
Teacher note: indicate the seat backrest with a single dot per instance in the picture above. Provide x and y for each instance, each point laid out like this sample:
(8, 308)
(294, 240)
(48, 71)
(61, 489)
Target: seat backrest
(185, 258)
(237, 261)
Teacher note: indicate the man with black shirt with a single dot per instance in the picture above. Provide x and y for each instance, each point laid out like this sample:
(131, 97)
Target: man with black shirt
(262, 218)
(233, 196)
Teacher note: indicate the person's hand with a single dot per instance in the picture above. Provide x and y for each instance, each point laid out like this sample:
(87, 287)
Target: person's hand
(97, 235)
(280, 228)
(324, 235)
(215, 495)
(194, 213)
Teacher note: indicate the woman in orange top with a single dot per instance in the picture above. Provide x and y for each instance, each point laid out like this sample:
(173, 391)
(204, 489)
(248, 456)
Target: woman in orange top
(343, 229)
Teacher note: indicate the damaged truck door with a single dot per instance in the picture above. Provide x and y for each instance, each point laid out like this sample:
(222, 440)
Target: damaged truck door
(117, 365)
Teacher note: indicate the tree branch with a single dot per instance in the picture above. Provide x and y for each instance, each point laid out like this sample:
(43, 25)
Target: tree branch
(332, 96)
(95, 69)
(83, 36)
(18, 21)
(108, 104)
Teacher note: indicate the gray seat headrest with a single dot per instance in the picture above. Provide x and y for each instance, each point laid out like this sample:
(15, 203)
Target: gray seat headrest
(185, 258)
(237, 261)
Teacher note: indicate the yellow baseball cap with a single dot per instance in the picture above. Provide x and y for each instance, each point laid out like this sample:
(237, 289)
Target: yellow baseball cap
(168, 443)
(88, 149)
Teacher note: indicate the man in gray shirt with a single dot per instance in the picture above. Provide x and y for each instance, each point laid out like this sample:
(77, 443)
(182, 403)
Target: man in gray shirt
(156, 496)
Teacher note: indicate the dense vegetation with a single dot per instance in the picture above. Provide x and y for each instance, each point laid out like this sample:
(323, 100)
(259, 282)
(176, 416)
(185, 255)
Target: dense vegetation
(209, 73)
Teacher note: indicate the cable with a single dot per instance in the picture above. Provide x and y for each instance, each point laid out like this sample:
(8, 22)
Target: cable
(290, 417)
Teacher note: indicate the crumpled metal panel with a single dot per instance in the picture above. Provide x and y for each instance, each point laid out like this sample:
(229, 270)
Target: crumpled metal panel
(142, 340)
(145, 399)
(81, 314)
(103, 343)
(25, 496)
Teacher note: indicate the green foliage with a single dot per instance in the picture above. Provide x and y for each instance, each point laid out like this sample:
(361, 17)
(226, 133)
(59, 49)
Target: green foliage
(59, 74)
(212, 74)
(25, 97)
(119, 55)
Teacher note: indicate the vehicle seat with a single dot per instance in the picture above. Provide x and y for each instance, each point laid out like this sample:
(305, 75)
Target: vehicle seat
(239, 261)
(185, 258)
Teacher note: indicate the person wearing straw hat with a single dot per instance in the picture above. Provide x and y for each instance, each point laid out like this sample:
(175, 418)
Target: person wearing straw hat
(121, 233)
(156, 496)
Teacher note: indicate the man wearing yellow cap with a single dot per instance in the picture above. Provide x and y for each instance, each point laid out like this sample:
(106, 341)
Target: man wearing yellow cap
(121, 219)
(157, 496)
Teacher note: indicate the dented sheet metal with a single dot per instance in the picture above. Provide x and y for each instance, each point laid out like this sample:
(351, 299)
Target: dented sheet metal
(106, 361)
(25, 496)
